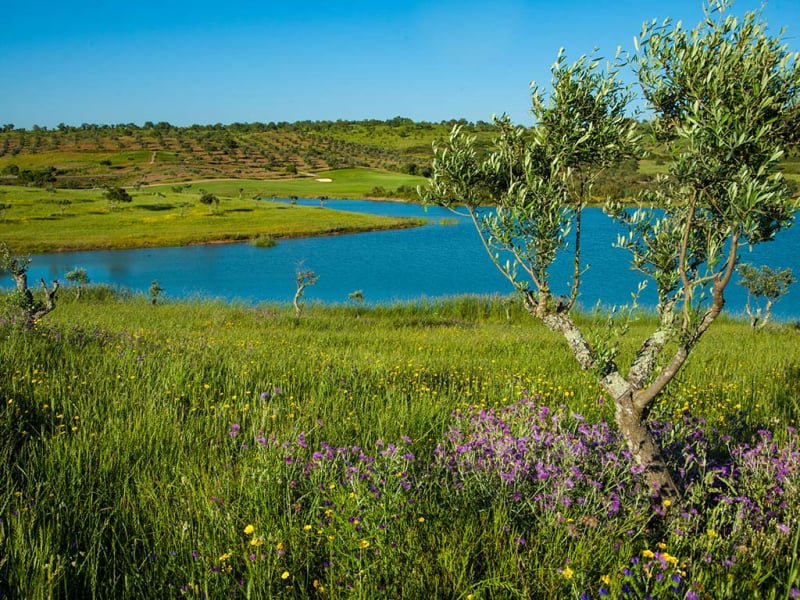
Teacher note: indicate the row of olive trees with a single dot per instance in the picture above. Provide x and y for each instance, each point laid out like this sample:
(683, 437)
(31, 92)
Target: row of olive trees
(726, 101)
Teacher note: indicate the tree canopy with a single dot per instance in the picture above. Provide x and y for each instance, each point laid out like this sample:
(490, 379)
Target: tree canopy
(724, 96)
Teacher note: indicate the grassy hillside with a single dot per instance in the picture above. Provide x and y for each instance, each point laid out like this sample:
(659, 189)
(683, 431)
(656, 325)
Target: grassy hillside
(129, 155)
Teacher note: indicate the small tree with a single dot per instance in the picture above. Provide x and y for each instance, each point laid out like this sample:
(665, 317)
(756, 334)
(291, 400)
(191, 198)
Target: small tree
(182, 206)
(211, 201)
(358, 300)
(63, 203)
(22, 297)
(115, 196)
(155, 291)
(79, 278)
(726, 99)
(763, 284)
(304, 278)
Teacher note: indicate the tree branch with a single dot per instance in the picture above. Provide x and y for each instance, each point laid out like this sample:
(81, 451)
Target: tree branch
(576, 274)
(684, 249)
(652, 347)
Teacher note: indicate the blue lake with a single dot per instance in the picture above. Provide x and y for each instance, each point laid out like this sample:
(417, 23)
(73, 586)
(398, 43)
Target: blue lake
(443, 258)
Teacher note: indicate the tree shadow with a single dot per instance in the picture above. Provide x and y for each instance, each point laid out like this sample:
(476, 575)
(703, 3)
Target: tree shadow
(161, 206)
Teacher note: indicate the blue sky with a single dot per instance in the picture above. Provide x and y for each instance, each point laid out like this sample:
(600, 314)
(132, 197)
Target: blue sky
(208, 62)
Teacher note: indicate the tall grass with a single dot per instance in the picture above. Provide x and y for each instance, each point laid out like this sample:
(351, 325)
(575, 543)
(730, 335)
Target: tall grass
(208, 450)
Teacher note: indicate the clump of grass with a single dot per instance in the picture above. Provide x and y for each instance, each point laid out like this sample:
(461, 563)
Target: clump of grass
(263, 241)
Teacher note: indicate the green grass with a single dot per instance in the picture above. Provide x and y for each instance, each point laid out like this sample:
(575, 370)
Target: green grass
(35, 222)
(346, 183)
(130, 436)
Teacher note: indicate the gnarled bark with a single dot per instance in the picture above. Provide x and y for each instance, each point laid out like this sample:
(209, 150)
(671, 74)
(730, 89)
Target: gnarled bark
(629, 412)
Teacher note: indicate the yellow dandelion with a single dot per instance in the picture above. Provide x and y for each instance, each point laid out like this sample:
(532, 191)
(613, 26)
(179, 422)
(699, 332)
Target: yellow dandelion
(661, 546)
(285, 575)
(667, 503)
(363, 544)
(567, 573)
(606, 579)
(421, 519)
(256, 541)
(648, 554)
(224, 557)
(249, 529)
(306, 527)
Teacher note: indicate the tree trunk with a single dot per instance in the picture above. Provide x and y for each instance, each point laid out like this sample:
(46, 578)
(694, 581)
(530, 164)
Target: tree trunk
(630, 415)
(632, 425)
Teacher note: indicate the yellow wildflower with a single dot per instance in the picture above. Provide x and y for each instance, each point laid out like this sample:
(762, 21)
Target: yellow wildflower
(363, 544)
(249, 529)
(567, 573)
(285, 575)
(648, 554)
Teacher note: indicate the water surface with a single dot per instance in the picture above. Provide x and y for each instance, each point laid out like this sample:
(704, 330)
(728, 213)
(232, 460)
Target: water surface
(443, 258)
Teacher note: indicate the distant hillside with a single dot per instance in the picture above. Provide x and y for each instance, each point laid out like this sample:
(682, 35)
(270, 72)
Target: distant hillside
(132, 155)
(127, 154)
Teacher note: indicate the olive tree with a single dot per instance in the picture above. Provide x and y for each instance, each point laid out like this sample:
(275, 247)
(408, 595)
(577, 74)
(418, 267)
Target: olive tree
(155, 291)
(303, 278)
(115, 196)
(79, 278)
(724, 99)
(211, 201)
(763, 285)
(21, 298)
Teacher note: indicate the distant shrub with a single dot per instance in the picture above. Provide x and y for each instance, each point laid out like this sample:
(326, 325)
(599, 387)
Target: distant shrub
(263, 241)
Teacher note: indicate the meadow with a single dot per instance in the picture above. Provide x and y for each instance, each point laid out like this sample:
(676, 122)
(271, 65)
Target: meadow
(445, 449)
(33, 219)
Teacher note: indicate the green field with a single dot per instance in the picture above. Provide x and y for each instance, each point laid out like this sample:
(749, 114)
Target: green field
(37, 220)
(212, 450)
(344, 183)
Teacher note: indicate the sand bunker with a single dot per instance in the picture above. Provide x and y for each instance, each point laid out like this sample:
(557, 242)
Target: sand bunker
(324, 179)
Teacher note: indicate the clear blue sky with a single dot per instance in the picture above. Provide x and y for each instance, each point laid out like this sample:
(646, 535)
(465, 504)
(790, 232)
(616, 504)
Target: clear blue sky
(131, 61)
